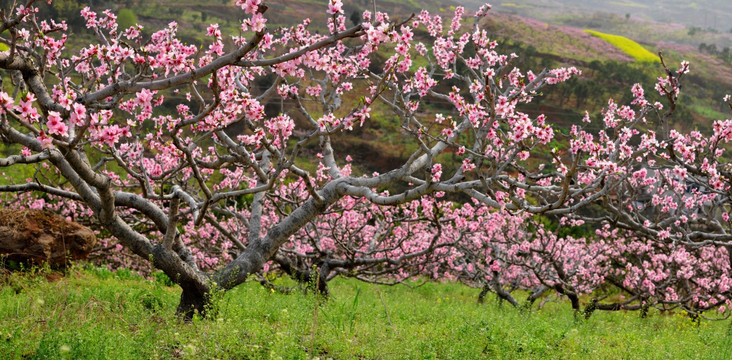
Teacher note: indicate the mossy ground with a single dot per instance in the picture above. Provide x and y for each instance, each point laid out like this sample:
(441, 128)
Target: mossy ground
(96, 314)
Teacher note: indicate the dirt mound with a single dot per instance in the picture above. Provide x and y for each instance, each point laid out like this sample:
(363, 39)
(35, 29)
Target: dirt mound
(35, 236)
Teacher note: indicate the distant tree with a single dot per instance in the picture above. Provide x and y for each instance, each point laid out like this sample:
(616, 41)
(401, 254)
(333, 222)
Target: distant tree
(68, 10)
(581, 91)
(355, 17)
(726, 55)
(126, 18)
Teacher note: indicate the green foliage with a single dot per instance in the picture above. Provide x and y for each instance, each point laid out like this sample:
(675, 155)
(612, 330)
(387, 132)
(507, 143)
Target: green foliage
(125, 274)
(628, 46)
(100, 272)
(150, 300)
(68, 10)
(93, 313)
(162, 279)
(126, 18)
(343, 315)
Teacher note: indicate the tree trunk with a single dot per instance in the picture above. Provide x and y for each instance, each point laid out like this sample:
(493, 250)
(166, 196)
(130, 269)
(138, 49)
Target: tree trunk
(323, 273)
(535, 294)
(590, 308)
(315, 278)
(573, 298)
(193, 300)
(483, 293)
(502, 294)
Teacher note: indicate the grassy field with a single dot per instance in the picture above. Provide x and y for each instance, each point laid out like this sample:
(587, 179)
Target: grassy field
(628, 46)
(95, 314)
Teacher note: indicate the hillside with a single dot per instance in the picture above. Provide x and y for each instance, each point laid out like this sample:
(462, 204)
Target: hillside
(712, 15)
(602, 64)
(608, 71)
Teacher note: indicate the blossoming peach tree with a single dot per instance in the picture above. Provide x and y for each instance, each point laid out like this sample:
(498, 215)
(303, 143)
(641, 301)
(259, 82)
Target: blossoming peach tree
(169, 147)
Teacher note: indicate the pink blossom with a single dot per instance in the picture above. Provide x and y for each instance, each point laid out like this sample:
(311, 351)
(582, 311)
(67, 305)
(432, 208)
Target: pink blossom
(436, 172)
(249, 6)
(55, 124)
(335, 7)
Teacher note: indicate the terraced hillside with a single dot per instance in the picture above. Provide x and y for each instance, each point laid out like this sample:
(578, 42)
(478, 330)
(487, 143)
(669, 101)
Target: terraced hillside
(668, 15)
(608, 71)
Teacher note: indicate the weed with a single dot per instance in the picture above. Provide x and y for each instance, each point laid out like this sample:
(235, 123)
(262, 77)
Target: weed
(162, 279)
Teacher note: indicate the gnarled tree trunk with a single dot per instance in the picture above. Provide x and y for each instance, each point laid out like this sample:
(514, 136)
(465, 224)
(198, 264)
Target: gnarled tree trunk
(193, 300)
(316, 278)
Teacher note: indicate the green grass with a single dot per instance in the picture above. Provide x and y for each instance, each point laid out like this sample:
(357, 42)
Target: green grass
(708, 112)
(628, 46)
(95, 314)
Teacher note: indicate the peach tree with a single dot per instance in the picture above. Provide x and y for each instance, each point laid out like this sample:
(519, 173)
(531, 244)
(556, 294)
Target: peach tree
(166, 144)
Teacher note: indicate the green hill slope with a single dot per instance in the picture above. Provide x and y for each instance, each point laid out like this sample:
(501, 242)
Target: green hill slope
(608, 71)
